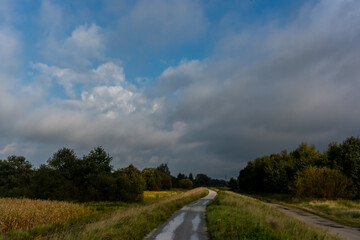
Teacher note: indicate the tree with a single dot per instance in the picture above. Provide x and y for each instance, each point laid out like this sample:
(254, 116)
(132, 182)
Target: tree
(181, 176)
(156, 179)
(152, 179)
(346, 158)
(98, 161)
(70, 174)
(15, 176)
(191, 177)
(233, 184)
(164, 168)
(202, 180)
(130, 184)
(305, 155)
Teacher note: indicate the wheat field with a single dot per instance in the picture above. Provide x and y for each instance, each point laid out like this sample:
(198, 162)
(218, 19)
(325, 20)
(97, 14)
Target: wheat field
(26, 213)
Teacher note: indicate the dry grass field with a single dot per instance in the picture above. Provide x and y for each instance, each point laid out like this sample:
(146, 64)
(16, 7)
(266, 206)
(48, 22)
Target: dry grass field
(26, 213)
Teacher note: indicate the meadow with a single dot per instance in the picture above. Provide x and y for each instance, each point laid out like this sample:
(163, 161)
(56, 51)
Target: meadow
(114, 220)
(235, 216)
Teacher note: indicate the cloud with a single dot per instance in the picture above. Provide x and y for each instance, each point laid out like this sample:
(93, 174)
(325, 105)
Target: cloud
(294, 83)
(160, 23)
(10, 49)
(8, 149)
(262, 89)
(85, 44)
(107, 73)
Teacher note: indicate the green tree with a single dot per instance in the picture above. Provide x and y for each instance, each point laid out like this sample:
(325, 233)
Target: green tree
(346, 158)
(164, 168)
(97, 161)
(130, 184)
(69, 171)
(191, 177)
(15, 176)
(305, 155)
(232, 184)
(202, 180)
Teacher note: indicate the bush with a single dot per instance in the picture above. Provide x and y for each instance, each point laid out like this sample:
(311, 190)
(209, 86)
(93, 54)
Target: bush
(185, 183)
(314, 182)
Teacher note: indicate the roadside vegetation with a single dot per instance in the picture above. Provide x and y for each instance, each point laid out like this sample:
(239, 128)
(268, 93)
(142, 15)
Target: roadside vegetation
(343, 211)
(306, 173)
(327, 184)
(114, 220)
(235, 216)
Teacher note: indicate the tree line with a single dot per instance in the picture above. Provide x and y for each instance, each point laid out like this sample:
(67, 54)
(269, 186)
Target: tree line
(65, 176)
(305, 172)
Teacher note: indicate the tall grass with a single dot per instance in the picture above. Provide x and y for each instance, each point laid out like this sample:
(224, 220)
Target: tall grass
(26, 213)
(346, 212)
(234, 216)
(343, 211)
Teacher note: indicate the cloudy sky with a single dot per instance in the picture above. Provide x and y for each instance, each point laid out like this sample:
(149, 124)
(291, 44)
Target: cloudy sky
(203, 85)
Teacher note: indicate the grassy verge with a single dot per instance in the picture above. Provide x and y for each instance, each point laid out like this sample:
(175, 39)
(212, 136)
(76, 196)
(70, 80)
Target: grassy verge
(346, 212)
(234, 216)
(115, 220)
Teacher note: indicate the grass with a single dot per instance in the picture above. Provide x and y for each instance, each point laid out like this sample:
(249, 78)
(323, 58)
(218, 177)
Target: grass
(346, 212)
(115, 220)
(24, 213)
(234, 216)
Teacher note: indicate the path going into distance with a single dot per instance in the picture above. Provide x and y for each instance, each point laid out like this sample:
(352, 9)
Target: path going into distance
(187, 223)
(350, 233)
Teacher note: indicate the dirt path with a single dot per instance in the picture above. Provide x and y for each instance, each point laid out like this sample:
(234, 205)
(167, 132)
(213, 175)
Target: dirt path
(346, 232)
(187, 223)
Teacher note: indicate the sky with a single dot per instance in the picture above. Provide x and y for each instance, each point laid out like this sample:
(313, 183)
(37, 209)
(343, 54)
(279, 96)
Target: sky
(202, 85)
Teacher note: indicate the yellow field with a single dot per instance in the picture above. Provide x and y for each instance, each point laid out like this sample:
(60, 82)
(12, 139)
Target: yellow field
(150, 196)
(26, 213)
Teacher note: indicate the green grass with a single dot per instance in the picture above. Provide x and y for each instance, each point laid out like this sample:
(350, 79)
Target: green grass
(346, 212)
(234, 216)
(115, 220)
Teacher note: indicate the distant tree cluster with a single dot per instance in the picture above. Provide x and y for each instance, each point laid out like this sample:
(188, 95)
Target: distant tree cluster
(90, 178)
(306, 172)
(67, 177)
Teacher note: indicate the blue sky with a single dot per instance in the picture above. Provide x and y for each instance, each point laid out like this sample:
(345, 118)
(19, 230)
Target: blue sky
(204, 86)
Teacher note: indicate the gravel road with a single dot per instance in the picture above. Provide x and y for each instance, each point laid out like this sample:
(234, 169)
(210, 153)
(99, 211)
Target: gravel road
(187, 223)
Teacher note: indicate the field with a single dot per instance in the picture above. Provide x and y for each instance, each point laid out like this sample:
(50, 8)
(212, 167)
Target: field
(115, 220)
(234, 216)
(346, 212)
(25, 213)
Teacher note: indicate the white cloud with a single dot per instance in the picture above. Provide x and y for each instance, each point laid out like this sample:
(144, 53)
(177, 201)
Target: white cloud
(108, 73)
(84, 45)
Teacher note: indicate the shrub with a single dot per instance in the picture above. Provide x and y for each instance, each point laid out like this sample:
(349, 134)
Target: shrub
(185, 183)
(314, 182)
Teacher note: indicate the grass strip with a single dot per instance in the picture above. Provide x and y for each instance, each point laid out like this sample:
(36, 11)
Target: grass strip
(132, 223)
(346, 212)
(234, 216)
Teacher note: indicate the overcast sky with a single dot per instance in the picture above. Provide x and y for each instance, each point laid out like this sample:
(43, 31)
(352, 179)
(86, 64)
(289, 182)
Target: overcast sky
(203, 85)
